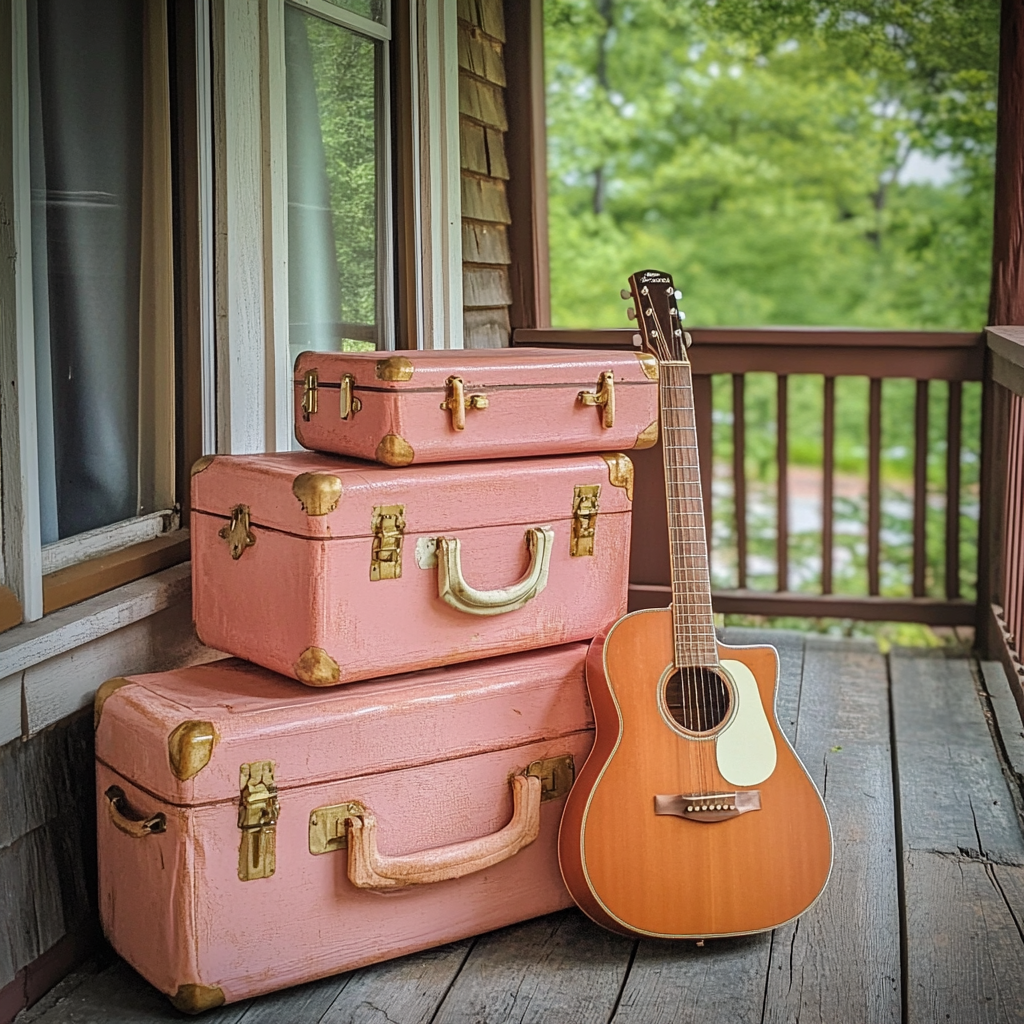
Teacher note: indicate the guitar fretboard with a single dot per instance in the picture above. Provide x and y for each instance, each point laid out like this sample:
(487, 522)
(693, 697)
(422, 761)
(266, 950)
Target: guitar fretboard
(692, 618)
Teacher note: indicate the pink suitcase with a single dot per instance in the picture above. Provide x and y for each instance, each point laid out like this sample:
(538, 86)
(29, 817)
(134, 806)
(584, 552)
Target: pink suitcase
(453, 405)
(330, 570)
(248, 829)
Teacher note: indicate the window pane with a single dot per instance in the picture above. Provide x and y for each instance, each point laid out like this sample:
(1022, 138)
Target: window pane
(332, 80)
(373, 9)
(100, 201)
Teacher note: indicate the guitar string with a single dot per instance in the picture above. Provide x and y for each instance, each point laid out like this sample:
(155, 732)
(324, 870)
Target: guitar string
(701, 694)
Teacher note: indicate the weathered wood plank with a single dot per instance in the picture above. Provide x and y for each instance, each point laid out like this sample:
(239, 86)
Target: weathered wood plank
(480, 55)
(486, 328)
(404, 991)
(1007, 714)
(485, 286)
(965, 957)
(484, 243)
(484, 199)
(482, 102)
(305, 1004)
(472, 147)
(496, 161)
(486, 14)
(724, 980)
(953, 795)
(841, 960)
(562, 967)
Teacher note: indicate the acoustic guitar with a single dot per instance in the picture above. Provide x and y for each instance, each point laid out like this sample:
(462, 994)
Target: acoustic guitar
(693, 816)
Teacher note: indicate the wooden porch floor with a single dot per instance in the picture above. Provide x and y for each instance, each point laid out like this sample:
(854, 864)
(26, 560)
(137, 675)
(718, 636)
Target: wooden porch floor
(918, 756)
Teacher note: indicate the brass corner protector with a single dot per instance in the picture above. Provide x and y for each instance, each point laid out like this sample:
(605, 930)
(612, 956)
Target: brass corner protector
(189, 747)
(316, 667)
(197, 998)
(620, 472)
(318, 493)
(394, 368)
(649, 364)
(648, 437)
(394, 451)
(103, 691)
(201, 463)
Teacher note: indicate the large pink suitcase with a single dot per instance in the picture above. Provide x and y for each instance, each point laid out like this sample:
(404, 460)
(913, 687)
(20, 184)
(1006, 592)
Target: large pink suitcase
(254, 835)
(331, 570)
(452, 405)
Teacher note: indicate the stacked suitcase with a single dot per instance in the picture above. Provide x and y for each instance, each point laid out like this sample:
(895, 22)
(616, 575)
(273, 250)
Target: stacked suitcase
(255, 832)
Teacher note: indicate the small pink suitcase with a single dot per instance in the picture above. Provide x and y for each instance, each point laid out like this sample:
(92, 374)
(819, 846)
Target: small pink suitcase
(445, 406)
(331, 570)
(227, 796)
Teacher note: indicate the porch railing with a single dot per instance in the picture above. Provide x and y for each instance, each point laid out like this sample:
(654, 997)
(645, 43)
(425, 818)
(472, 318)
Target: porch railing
(922, 356)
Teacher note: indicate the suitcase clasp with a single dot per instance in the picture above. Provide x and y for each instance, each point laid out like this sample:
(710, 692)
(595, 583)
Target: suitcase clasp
(458, 402)
(258, 810)
(349, 405)
(584, 519)
(388, 525)
(603, 397)
(310, 384)
(237, 532)
(556, 775)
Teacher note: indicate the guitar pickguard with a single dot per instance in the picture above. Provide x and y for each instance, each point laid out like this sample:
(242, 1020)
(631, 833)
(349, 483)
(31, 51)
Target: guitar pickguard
(745, 748)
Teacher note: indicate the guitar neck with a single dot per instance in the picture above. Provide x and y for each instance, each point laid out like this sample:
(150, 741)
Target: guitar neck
(692, 617)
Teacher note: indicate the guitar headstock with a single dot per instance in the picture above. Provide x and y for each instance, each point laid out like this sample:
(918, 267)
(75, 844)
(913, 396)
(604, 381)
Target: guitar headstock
(657, 316)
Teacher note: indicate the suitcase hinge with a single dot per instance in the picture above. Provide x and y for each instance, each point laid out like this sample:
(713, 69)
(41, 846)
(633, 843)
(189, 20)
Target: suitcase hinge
(388, 527)
(349, 404)
(584, 519)
(458, 402)
(237, 532)
(556, 775)
(604, 397)
(257, 818)
(309, 393)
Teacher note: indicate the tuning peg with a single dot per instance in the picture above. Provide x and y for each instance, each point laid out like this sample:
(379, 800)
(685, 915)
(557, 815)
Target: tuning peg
(679, 295)
(631, 313)
(682, 315)
(637, 340)
(626, 293)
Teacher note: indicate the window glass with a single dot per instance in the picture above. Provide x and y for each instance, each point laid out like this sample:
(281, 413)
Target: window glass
(100, 203)
(373, 9)
(333, 114)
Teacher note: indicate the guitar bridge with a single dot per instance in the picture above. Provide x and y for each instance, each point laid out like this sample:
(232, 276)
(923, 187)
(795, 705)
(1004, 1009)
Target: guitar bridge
(708, 806)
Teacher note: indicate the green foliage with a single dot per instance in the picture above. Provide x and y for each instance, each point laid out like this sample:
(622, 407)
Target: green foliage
(756, 147)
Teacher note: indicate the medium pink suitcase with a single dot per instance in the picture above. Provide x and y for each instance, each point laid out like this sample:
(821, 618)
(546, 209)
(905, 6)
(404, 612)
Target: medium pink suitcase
(445, 406)
(254, 835)
(331, 570)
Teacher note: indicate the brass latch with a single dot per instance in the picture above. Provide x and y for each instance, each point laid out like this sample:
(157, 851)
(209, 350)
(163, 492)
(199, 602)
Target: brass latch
(388, 525)
(458, 402)
(584, 518)
(309, 393)
(349, 404)
(237, 532)
(257, 818)
(556, 775)
(603, 397)
(327, 831)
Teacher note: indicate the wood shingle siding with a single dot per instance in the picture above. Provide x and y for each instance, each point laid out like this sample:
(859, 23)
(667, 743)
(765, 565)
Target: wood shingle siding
(487, 292)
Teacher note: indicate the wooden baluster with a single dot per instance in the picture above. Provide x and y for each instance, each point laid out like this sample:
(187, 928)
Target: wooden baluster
(953, 443)
(1013, 542)
(739, 478)
(920, 553)
(874, 481)
(828, 483)
(705, 441)
(782, 483)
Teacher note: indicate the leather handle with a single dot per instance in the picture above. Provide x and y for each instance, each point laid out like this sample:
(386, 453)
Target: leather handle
(370, 869)
(127, 821)
(453, 589)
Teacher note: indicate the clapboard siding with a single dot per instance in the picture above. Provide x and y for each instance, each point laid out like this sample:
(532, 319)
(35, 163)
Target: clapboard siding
(483, 122)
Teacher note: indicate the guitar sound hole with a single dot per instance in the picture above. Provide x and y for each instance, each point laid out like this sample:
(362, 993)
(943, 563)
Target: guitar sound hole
(697, 698)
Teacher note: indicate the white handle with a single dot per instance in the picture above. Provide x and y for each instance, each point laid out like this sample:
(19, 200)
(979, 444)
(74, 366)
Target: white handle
(453, 588)
(369, 869)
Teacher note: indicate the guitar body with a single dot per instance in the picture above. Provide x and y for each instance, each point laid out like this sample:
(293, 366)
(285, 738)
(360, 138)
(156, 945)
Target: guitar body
(670, 876)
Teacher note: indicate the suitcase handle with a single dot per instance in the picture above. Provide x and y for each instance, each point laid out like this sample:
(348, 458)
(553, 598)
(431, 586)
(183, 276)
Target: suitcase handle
(127, 821)
(370, 869)
(454, 590)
